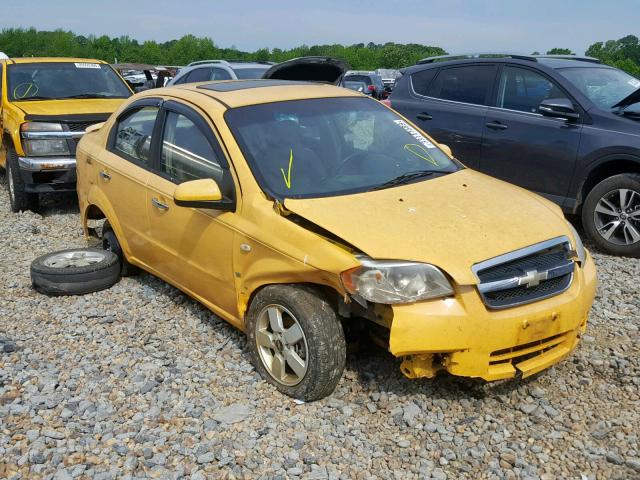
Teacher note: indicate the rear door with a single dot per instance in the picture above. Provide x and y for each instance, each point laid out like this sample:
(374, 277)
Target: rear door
(192, 246)
(451, 105)
(523, 147)
(123, 171)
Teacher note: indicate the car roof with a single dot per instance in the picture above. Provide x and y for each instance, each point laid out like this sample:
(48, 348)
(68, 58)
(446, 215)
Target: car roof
(53, 60)
(240, 93)
(550, 62)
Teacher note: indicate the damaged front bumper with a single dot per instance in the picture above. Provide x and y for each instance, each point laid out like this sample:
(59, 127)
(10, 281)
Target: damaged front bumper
(462, 336)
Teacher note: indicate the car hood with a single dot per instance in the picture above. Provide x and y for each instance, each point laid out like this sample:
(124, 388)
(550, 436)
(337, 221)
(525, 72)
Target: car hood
(453, 221)
(314, 69)
(81, 106)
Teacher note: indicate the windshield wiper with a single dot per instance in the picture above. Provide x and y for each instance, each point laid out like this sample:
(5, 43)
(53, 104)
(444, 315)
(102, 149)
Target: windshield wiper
(87, 95)
(405, 178)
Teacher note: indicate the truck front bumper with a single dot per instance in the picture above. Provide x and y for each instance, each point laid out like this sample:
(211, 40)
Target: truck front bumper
(462, 336)
(48, 174)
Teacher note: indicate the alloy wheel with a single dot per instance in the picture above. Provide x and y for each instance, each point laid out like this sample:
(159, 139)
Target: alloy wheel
(282, 345)
(617, 216)
(72, 259)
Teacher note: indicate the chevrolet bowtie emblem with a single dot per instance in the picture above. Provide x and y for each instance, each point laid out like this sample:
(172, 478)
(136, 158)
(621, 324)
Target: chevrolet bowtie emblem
(532, 278)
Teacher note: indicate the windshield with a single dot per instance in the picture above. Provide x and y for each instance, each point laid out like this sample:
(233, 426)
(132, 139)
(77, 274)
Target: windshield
(249, 73)
(45, 81)
(603, 86)
(331, 146)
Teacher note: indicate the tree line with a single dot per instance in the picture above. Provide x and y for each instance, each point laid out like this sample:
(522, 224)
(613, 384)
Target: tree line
(18, 42)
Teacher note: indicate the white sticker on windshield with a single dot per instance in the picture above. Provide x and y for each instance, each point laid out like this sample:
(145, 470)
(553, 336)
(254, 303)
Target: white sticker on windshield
(415, 134)
(635, 83)
(87, 65)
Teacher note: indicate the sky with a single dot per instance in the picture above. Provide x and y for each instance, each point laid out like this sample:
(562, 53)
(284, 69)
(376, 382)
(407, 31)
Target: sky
(457, 26)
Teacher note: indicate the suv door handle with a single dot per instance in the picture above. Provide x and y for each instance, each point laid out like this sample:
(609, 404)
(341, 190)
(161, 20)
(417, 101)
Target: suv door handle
(424, 116)
(497, 125)
(158, 204)
(104, 175)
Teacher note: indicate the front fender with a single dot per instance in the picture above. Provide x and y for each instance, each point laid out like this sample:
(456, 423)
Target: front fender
(96, 198)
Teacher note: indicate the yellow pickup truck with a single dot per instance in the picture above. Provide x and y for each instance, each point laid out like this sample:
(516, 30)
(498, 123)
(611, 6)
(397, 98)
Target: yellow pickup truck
(46, 104)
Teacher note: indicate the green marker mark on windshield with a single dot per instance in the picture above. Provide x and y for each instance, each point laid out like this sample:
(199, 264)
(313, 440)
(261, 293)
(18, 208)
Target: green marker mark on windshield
(287, 176)
(420, 151)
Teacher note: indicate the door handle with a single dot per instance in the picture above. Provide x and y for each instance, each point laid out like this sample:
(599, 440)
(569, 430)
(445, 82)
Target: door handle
(424, 116)
(158, 204)
(104, 175)
(497, 125)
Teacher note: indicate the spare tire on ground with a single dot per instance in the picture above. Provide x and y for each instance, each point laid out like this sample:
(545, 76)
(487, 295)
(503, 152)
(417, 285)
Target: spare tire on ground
(76, 271)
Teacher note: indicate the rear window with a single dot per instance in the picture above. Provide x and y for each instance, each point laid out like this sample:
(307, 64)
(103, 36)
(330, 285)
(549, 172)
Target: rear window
(468, 84)
(359, 78)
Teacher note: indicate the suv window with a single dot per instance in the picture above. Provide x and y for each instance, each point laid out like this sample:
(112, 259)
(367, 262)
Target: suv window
(468, 84)
(359, 78)
(220, 74)
(422, 80)
(199, 75)
(523, 89)
(186, 153)
(133, 134)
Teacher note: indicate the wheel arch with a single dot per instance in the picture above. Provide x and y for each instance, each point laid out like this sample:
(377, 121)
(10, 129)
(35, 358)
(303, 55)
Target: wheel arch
(605, 168)
(98, 208)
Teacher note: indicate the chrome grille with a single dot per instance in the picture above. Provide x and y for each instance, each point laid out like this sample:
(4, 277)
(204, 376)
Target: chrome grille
(527, 275)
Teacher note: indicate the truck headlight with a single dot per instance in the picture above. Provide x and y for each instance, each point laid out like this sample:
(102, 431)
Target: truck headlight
(389, 282)
(36, 142)
(578, 246)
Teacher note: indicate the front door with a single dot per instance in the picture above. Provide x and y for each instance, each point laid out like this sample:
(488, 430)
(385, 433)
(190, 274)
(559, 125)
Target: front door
(192, 246)
(122, 172)
(523, 147)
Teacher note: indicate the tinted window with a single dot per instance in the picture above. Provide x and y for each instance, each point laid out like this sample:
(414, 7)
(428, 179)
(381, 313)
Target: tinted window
(27, 81)
(220, 74)
(422, 80)
(331, 146)
(133, 134)
(249, 73)
(471, 84)
(359, 78)
(523, 89)
(186, 153)
(199, 75)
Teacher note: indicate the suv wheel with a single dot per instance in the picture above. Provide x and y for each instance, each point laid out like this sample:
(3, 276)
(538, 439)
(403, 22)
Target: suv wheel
(19, 199)
(611, 215)
(296, 341)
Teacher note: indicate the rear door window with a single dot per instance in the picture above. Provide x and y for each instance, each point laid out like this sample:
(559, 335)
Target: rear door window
(199, 75)
(220, 74)
(468, 84)
(522, 89)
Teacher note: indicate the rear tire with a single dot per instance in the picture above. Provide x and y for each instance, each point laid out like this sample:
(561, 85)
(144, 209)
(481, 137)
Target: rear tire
(611, 215)
(20, 199)
(296, 341)
(110, 242)
(76, 271)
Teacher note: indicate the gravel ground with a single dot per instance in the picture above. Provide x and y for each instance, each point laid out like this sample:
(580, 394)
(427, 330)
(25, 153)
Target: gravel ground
(141, 381)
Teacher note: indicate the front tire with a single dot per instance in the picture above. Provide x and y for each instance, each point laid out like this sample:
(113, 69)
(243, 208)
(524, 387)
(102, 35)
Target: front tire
(19, 199)
(296, 341)
(611, 215)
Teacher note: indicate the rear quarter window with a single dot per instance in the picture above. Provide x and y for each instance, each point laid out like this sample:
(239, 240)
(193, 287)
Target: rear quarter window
(421, 80)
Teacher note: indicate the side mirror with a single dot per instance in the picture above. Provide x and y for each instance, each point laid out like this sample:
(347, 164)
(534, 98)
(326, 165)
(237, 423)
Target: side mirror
(203, 193)
(558, 108)
(446, 149)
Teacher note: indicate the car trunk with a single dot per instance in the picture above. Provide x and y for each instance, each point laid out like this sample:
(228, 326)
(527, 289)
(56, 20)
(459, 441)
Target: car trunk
(314, 69)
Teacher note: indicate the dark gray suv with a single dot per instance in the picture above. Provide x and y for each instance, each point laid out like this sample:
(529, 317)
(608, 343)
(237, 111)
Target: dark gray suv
(567, 128)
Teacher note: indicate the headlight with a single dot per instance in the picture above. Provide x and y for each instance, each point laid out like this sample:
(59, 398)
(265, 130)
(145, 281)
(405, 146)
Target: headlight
(36, 143)
(578, 247)
(390, 282)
